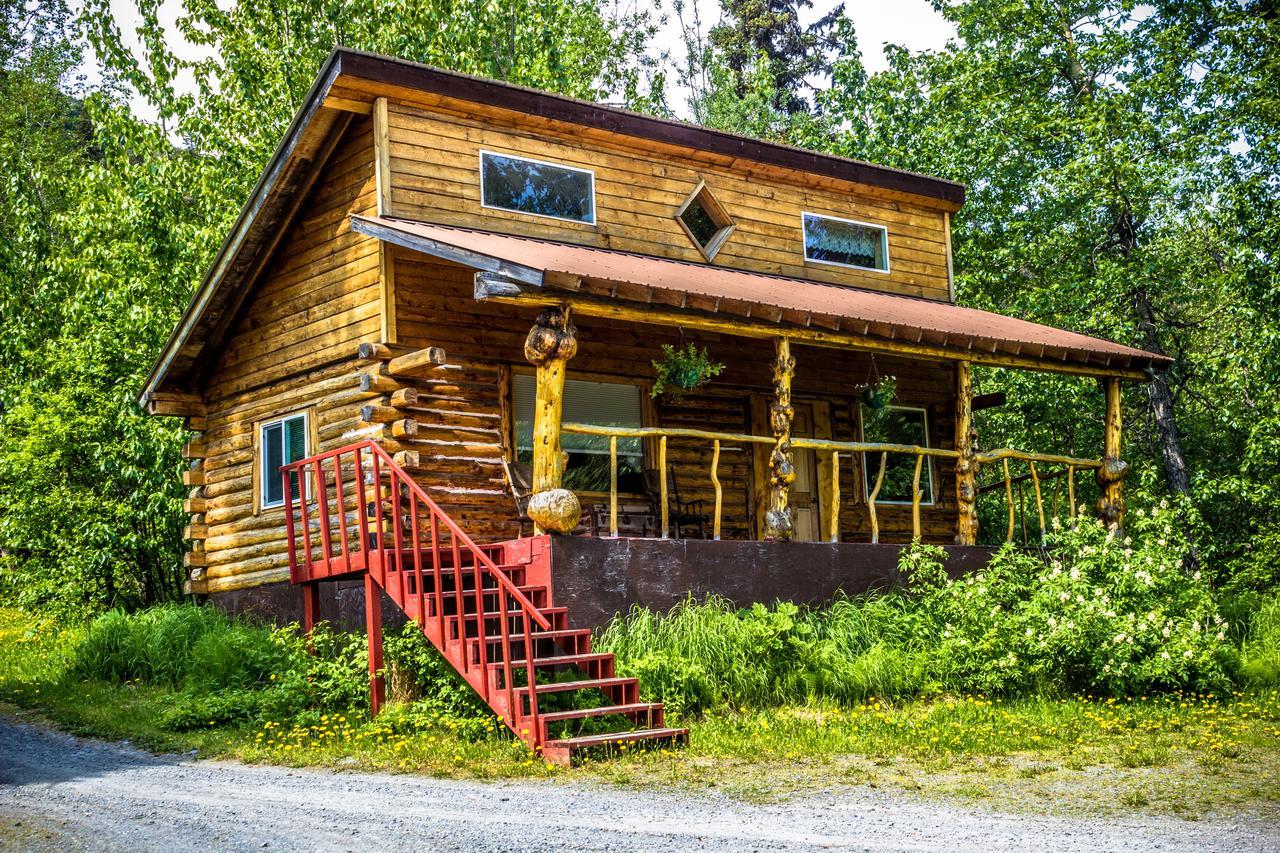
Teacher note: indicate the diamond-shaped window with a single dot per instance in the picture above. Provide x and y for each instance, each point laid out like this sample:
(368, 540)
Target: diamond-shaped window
(705, 221)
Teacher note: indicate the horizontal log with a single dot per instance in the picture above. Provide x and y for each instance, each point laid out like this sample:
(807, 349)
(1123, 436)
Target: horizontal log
(404, 397)
(1025, 456)
(196, 423)
(374, 352)
(404, 428)
(193, 477)
(195, 449)
(194, 505)
(379, 414)
(406, 458)
(176, 408)
(377, 382)
(195, 558)
(423, 359)
(195, 587)
(195, 531)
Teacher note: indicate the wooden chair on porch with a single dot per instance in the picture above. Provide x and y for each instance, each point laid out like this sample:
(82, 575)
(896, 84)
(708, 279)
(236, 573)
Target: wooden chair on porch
(682, 513)
(520, 484)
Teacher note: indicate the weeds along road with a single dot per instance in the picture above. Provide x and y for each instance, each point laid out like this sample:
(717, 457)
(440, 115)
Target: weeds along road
(58, 792)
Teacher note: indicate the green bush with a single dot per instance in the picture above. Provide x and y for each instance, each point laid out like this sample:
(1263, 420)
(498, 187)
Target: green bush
(1099, 612)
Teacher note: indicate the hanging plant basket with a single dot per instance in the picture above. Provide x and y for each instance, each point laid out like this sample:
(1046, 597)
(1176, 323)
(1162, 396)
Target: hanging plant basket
(683, 370)
(881, 394)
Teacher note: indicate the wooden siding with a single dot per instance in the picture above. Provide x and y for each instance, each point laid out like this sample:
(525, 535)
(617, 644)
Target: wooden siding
(435, 178)
(461, 426)
(292, 350)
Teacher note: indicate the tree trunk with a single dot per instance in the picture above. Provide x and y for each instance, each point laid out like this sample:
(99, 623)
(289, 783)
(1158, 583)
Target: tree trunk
(1175, 463)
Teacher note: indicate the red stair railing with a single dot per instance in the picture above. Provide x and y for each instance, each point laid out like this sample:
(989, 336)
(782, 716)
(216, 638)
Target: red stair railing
(363, 546)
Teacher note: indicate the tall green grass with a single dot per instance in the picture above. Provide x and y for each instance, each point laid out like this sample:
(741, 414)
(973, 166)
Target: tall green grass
(709, 653)
(1260, 655)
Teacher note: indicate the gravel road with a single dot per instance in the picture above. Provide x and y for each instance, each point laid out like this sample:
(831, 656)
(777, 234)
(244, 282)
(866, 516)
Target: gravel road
(59, 792)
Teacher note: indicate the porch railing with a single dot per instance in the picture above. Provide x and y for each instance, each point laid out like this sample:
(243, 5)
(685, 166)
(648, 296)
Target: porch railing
(1067, 465)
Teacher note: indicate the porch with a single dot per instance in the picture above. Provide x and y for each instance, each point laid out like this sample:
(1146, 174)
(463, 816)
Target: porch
(804, 461)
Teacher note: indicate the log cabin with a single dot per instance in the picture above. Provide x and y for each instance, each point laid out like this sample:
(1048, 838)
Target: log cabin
(423, 366)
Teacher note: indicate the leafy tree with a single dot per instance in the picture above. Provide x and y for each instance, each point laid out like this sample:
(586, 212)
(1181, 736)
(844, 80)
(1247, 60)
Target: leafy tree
(759, 71)
(114, 223)
(1122, 174)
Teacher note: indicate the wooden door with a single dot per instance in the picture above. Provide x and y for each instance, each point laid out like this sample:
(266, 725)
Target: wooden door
(805, 500)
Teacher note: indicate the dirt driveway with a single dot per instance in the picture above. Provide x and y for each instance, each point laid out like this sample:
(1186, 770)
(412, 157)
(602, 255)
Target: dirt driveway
(58, 792)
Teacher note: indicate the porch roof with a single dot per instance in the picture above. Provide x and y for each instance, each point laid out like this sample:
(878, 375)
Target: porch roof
(612, 283)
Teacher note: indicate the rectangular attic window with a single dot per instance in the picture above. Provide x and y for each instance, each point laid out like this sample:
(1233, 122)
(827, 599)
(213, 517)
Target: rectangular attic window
(537, 188)
(846, 243)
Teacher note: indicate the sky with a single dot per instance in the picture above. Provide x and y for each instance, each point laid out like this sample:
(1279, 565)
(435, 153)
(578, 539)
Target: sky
(910, 23)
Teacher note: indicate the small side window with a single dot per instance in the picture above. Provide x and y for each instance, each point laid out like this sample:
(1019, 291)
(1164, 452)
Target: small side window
(846, 243)
(705, 221)
(280, 442)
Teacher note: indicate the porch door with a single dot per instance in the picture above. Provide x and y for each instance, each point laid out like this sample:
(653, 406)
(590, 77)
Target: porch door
(805, 510)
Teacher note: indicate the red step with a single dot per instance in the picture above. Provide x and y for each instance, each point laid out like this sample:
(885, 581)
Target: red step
(564, 750)
(555, 646)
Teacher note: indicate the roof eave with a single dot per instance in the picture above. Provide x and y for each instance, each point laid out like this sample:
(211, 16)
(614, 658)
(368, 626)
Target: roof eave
(262, 190)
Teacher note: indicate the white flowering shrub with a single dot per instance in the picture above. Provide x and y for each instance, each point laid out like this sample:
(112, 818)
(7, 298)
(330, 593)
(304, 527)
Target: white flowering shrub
(1101, 611)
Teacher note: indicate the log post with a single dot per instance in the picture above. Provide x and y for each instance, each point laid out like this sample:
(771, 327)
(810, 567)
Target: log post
(966, 464)
(782, 472)
(1110, 476)
(551, 343)
(373, 628)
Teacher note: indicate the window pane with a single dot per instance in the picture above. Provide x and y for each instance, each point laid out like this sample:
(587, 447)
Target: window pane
(295, 446)
(272, 459)
(699, 222)
(596, 403)
(541, 188)
(896, 426)
(840, 242)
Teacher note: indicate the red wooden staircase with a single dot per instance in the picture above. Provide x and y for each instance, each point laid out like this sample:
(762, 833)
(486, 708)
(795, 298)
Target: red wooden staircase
(487, 608)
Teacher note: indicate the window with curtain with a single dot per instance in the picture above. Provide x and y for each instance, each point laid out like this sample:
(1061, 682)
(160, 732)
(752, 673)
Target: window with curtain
(896, 425)
(279, 443)
(588, 402)
(531, 186)
(845, 242)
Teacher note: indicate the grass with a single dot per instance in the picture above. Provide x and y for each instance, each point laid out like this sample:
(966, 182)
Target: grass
(1186, 754)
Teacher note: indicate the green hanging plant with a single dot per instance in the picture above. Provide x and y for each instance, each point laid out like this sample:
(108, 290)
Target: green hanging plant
(683, 370)
(879, 395)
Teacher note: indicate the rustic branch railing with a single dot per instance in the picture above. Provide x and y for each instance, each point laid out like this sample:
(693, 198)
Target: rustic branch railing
(835, 449)
(394, 531)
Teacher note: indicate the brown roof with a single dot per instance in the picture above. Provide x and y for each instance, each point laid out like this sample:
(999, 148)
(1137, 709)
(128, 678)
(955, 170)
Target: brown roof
(293, 168)
(951, 330)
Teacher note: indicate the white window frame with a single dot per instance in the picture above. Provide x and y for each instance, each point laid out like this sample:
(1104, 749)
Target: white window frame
(305, 415)
(884, 243)
(588, 172)
(928, 460)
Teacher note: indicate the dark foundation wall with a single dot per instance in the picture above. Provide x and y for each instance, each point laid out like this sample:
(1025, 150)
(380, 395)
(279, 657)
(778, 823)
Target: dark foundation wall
(341, 604)
(597, 578)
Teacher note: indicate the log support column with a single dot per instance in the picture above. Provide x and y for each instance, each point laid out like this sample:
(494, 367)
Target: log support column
(373, 626)
(552, 341)
(1110, 476)
(966, 463)
(782, 471)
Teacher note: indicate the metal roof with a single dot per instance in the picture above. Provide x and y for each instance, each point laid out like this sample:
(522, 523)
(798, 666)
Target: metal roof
(664, 284)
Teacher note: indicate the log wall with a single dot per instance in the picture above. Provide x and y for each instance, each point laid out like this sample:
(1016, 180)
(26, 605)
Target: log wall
(435, 177)
(292, 350)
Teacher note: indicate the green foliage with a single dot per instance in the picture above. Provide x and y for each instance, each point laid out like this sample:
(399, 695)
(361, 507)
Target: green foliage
(109, 225)
(682, 370)
(1097, 615)
(1260, 657)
